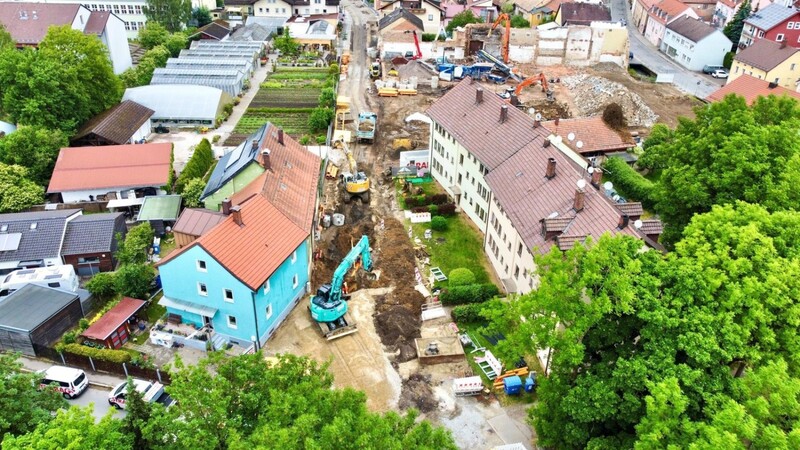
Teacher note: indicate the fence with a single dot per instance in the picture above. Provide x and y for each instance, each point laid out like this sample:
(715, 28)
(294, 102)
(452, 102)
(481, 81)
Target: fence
(88, 207)
(96, 365)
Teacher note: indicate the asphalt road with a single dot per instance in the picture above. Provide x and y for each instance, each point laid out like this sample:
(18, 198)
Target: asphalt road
(98, 397)
(645, 53)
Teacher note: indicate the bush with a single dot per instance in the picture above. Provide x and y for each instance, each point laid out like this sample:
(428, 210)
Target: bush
(473, 293)
(69, 338)
(134, 280)
(133, 250)
(305, 140)
(439, 199)
(215, 138)
(614, 117)
(448, 209)
(192, 192)
(428, 37)
(630, 182)
(103, 354)
(438, 223)
(433, 209)
(83, 324)
(727, 61)
(517, 21)
(321, 139)
(320, 118)
(468, 313)
(197, 166)
(419, 209)
(102, 285)
(461, 277)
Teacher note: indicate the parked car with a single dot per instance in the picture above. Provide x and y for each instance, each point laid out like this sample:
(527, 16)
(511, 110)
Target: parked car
(70, 382)
(151, 392)
(708, 70)
(720, 73)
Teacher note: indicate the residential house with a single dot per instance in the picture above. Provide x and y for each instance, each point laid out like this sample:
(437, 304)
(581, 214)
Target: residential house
(582, 14)
(590, 137)
(639, 13)
(218, 30)
(35, 317)
(771, 61)
(111, 172)
(237, 10)
(662, 14)
(430, 12)
(704, 8)
(751, 88)
(255, 32)
(776, 23)
(396, 30)
(288, 8)
(315, 32)
(125, 123)
(694, 44)
(91, 242)
(480, 8)
(193, 223)
(517, 182)
(724, 11)
(33, 239)
(112, 330)
(181, 105)
(28, 24)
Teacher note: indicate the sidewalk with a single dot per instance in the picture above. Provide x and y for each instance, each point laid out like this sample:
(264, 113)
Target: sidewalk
(96, 379)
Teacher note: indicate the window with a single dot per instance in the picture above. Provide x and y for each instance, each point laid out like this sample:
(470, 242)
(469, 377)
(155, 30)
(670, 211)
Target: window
(430, 17)
(516, 271)
(266, 286)
(269, 311)
(89, 260)
(201, 266)
(232, 322)
(227, 294)
(461, 159)
(261, 10)
(777, 80)
(137, 9)
(760, 34)
(790, 26)
(294, 256)
(294, 281)
(779, 38)
(519, 250)
(202, 289)
(267, 10)
(116, 9)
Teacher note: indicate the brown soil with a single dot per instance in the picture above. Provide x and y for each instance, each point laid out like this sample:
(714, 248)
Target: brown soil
(417, 393)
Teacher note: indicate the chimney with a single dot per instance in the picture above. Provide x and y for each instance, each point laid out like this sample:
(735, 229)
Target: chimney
(546, 143)
(280, 136)
(772, 85)
(503, 113)
(551, 169)
(265, 159)
(783, 43)
(597, 175)
(226, 206)
(479, 96)
(236, 212)
(556, 121)
(623, 222)
(580, 197)
(536, 124)
(254, 144)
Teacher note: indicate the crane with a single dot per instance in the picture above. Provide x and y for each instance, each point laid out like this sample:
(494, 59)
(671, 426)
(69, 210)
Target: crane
(418, 54)
(531, 80)
(328, 307)
(356, 184)
(503, 18)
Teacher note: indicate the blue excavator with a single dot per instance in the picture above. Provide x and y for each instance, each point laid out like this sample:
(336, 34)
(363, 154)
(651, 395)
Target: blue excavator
(329, 306)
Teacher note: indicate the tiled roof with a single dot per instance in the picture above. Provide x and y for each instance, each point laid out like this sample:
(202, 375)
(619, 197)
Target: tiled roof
(215, 29)
(240, 2)
(557, 224)
(630, 209)
(771, 16)
(196, 222)
(32, 305)
(666, 10)
(114, 318)
(396, 15)
(750, 88)
(117, 124)
(583, 13)
(477, 126)
(28, 22)
(37, 242)
(593, 132)
(113, 166)
(253, 251)
(652, 226)
(97, 22)
(92, 233)
(691, 28)
(567, 242)
(765, 54)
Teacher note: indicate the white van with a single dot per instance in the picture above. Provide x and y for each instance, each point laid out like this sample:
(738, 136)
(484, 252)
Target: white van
(70, 382)
(151, 393)
(57, 277)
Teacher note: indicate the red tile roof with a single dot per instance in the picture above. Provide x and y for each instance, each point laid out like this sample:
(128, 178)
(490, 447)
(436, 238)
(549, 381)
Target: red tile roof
(196, 222)
(114, 318)
(593, 132)
(667, 10)
(765, 54)
(97, 22)
(750, 88)
(630, 209)
(28, 22)
(112, 166)
(253, 251)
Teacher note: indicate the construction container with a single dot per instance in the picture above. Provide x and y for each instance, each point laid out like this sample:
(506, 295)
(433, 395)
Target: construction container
(512, 385)
(530, 383)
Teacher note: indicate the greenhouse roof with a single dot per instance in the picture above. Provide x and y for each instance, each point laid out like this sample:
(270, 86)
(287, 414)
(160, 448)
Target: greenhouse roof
(229, 44)
(178, 101)
(243, 64)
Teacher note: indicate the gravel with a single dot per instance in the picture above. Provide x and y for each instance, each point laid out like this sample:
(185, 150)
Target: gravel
(594, 93)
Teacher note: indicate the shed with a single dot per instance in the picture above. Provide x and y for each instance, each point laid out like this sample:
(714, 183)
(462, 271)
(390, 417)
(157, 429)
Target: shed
(112, 330)
(36, 316)
(193, 223)
(180, 105)
(160, 207)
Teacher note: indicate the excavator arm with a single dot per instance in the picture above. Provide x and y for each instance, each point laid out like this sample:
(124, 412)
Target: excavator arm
(416, 44)
(503, 18)
(532, 80)
(361, 249)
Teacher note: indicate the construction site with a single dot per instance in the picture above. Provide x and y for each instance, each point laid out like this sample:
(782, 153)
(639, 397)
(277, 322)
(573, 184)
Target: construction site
(386, 349)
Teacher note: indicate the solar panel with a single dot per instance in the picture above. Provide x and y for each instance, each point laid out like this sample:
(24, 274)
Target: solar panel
(9, 242)
(237, 153)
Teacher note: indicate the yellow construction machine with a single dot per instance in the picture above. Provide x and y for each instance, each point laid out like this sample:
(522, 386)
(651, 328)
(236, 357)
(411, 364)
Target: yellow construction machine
(355, 183)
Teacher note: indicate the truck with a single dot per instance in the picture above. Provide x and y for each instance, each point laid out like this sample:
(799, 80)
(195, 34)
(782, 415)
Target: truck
(151, 392)
(58, 277)
(366, 127)
(329, 306)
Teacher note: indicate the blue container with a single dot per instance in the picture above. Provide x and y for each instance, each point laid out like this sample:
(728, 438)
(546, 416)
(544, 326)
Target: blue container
(512, 385)
(530, 383)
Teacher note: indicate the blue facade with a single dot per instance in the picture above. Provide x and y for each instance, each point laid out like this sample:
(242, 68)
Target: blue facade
(241, 313)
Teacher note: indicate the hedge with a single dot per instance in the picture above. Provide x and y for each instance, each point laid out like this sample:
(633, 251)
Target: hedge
(460, 277)
(115, 356)
(447, 209)
(629, 181)
(197, 166)
(473, 293)
(468, 313)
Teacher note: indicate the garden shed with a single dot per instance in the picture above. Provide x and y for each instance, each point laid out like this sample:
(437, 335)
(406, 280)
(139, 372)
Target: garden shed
(37, 316)
(113, 329)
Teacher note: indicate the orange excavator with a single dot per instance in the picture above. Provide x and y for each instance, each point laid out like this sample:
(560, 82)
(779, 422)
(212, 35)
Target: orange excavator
(501, 18)
(532, 80)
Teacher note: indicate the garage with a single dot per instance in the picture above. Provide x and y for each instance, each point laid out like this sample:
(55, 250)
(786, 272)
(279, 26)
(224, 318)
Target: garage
(36, 316)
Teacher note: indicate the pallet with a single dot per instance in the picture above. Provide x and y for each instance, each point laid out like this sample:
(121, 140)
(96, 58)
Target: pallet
(522, 373)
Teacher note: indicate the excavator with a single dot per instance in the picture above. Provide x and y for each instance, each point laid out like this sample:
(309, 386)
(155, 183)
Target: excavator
(532, 80)
(329, 306)
(503, 18)
(355, 183)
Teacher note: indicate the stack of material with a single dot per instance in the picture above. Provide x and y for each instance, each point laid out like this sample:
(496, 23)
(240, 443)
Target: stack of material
(522, 373)
(388, 92)
(407, 91)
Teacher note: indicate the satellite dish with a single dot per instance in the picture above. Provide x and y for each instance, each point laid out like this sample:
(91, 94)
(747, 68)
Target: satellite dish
(637, 224)
(538, 116)
(590, 170)
(571, 136)
(581, 183)
(608, 185)
(579, 144)
(553, 215)
(531, 111)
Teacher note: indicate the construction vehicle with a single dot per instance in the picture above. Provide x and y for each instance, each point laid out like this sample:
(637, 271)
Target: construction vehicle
(532, 80)
(418, 54)
(503, 18)
(367, 122)
(355, 183)
(329, 306)
(375, 70)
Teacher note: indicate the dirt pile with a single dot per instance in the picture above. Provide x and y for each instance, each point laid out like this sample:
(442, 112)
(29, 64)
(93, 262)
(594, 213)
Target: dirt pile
(593, 93)
(417, 393)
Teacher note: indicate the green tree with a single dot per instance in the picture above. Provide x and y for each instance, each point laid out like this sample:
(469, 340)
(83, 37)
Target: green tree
(23, 406)
(175, 43)
(733, 30)
(35, 148)
(286, 44)
(462, 19)
(6, 41)
(320, 118)
(198, 165)
(139, 413)
(17, 192)
(192, 192)
(461, 277)
(143, 72)
(172, 14)
(102, 285)
(517, 21)
(133, 249)
(327, 98)
(152, 35)
(134, 280)
(202, 15)
(76, 429)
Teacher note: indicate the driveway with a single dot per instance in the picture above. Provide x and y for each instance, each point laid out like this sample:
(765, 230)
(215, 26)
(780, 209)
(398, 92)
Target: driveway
(646, 54)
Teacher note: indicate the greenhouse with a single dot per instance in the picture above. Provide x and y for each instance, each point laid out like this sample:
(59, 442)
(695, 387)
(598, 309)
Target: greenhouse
(231, 81)
(180, 105)
(244, 64)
